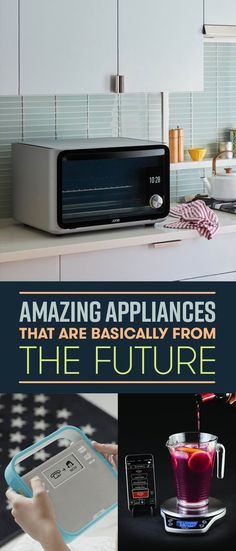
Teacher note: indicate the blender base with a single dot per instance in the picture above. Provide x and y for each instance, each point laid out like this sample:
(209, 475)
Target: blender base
(199, 522)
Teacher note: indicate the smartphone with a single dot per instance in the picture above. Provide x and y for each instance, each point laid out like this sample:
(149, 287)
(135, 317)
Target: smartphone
(140, 481)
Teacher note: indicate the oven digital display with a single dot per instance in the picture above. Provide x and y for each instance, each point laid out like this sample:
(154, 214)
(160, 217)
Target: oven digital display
(63, 470)
(154, 176)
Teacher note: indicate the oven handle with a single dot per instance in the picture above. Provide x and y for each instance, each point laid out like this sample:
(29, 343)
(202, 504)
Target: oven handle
(165, 244)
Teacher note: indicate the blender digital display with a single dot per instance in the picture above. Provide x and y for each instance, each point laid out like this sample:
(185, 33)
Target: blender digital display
(186, 523)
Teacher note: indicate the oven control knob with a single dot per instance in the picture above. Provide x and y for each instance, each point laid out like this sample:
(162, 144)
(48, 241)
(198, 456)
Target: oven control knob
(155, 201)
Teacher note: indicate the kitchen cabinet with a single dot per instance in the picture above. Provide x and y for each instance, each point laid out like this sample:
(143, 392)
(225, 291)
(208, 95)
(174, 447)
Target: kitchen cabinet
(67, 46)
(220, 13)
(170, 261)
(71, 46)
(8, 47)
(130, 254)
(37, 269)
(192, 259)
(161, 45)
(229, 276)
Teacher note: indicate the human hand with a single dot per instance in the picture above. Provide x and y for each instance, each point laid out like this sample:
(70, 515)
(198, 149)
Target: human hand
(35, 515)
(109, 451)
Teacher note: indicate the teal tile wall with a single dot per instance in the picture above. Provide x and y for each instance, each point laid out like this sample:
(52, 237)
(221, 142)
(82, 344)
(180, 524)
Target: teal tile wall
(205, 116)
(10, 130)
(24, 118)
(71, 117)
(133, 120)
(102, 116)
(186, 182)
(38, 117)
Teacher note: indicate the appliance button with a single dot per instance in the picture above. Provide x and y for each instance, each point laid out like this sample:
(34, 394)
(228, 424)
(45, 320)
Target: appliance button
(155, 201)
(141, 494)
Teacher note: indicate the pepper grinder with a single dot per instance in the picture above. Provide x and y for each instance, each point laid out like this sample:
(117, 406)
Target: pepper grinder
(173, 145)
(180, 144)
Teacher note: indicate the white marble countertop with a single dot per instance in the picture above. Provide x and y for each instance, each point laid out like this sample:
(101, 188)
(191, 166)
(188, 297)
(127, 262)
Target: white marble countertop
(19, 242)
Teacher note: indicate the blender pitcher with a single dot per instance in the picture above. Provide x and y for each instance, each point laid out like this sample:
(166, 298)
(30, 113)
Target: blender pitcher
(193, 456)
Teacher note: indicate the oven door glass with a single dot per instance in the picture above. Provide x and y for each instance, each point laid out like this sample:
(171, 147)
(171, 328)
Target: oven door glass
(107, 187)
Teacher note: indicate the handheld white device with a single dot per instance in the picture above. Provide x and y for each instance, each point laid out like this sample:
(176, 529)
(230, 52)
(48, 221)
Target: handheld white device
(81, 483)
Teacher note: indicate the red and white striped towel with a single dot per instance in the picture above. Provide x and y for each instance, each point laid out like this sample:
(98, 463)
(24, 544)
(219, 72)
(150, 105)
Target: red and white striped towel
(195, 216)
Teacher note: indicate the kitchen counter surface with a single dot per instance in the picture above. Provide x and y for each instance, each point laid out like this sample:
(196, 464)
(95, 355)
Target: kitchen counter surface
(19, 242)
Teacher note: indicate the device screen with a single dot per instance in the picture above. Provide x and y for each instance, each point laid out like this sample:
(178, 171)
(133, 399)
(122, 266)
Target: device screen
(62, 470)
(140, 480)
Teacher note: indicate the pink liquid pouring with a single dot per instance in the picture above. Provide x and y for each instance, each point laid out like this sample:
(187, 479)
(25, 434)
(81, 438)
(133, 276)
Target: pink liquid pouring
(205, 398)
(193, 466)
(198, 416)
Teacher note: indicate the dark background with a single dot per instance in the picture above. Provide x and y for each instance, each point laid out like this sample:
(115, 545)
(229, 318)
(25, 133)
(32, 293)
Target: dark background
(13, 362)
(145, 422)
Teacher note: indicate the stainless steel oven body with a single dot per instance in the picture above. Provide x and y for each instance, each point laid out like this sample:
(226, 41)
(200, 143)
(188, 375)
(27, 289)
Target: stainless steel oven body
(79, 185)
